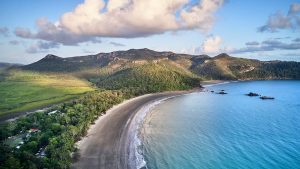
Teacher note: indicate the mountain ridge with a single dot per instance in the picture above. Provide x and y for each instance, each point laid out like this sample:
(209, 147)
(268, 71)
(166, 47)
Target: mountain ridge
(5, 65)
(219, 67)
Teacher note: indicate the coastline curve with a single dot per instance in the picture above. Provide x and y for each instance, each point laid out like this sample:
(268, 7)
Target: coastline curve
(106, 144)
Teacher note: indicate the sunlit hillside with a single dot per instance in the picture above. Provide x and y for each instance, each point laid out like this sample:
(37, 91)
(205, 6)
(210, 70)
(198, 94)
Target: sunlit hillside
(25, 90)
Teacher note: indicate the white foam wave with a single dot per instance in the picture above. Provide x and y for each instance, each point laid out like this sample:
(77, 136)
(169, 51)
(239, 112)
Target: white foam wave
(136, 158)
(221, 83)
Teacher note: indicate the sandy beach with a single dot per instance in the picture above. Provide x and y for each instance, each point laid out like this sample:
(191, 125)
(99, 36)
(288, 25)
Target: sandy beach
(106, 145)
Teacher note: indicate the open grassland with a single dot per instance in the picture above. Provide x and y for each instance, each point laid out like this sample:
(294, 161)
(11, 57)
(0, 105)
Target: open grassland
(25, 90)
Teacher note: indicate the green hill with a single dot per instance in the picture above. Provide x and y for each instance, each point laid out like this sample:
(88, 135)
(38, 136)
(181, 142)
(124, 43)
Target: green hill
(225, 67)
(52, 63)
(7, 65)
(152, 77)
(274, 70)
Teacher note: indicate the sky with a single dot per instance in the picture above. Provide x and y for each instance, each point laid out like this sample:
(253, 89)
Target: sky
(256, 29)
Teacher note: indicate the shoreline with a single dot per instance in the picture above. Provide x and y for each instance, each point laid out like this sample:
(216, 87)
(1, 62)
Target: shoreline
(107, 143)
(209, 83)
(112, 142)
(133, 139)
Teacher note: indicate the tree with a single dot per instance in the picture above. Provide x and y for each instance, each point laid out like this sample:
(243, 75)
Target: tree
(11, 163)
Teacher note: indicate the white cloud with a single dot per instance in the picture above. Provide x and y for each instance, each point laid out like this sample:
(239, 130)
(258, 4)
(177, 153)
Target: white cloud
(294, 8)
(53, 33)
(212, 45)
(134, 18)
(117, 44)
(14, 42)
(200, 16)
(42, 47)
(4, 31)
(253, 43)
(276, 21)
(281, 21)
(125, 18)
(266, 46)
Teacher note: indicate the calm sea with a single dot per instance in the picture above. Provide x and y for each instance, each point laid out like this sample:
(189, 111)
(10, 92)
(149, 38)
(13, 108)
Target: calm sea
(209, 131)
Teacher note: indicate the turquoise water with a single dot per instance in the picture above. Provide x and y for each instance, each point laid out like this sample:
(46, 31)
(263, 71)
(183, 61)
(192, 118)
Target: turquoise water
(210, 131)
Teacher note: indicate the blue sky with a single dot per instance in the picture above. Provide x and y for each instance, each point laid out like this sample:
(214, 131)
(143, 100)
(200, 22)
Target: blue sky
(221, 26)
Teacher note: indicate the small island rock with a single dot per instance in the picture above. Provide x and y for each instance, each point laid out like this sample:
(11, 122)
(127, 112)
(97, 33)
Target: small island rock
(266, 97)
(252, 94)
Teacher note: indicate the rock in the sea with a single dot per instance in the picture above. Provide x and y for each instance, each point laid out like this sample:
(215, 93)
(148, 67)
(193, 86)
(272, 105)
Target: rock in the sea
(252, 94)
(266, 97)
(222, 92)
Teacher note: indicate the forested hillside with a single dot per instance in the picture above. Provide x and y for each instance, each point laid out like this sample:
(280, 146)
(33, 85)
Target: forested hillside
(225, 67)
(221, 67)
(7, 65)
(148, 78)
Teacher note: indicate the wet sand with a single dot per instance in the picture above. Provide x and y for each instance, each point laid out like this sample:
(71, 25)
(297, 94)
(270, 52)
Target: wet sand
(105, 144)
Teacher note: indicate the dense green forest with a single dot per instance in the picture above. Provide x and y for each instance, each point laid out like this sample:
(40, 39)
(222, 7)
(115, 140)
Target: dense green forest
(275, 70)
(57, 132)
(150, 78)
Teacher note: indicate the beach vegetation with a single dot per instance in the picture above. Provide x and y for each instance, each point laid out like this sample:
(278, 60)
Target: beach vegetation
(54, 136)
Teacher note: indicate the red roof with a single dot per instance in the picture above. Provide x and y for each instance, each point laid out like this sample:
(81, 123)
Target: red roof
(34, 129)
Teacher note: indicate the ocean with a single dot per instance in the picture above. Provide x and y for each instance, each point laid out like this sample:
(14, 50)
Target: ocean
(205, 130)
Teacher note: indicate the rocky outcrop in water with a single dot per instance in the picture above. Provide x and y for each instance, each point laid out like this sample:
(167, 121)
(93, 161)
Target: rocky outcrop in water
(251, 94)
(266, 98)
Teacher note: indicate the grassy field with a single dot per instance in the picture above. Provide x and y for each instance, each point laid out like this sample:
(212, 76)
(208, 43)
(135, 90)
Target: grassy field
(25, 90)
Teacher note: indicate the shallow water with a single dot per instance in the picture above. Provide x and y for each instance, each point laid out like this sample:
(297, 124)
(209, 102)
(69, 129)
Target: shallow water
(210, 131)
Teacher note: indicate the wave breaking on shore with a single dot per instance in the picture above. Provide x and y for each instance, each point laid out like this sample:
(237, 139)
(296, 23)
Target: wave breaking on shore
(136, 159)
